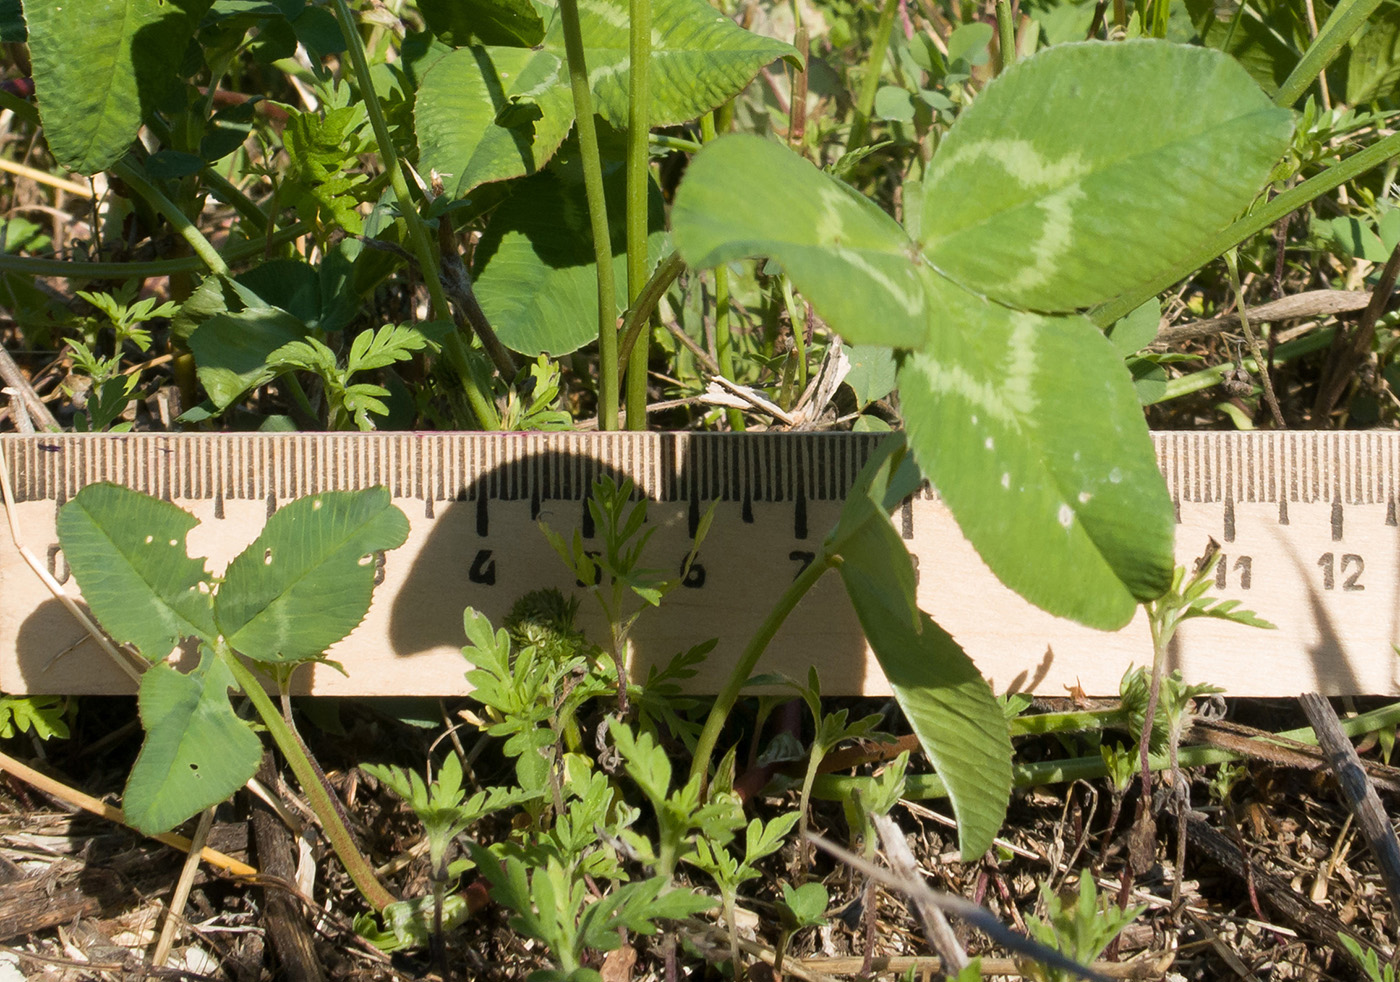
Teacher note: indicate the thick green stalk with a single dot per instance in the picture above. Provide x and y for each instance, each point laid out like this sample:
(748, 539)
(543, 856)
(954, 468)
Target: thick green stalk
(481, 403)
(743, 668)
(865, 103)
(361, 873)
(597, 214)
(32, 266)
(1257, 220)
(178, 220)
(638, 168)
(1347, 18)
(1006, 31)
(724, 337)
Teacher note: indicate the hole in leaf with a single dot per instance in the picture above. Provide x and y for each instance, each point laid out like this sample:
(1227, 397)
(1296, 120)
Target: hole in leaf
(366, 559)
(267, 557)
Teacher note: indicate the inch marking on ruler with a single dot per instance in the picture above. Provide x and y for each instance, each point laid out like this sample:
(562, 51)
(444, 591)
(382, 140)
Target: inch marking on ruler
(1307, 522)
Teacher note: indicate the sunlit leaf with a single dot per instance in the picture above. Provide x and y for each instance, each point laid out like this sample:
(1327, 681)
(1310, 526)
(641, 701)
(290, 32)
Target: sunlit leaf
(1085, 170)
(305, 582)
(197, 751)
(127, 552)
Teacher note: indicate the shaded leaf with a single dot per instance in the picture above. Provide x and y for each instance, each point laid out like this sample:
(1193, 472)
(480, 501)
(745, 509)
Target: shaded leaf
(947, 702)
(535, 275)
(1373, 71)
(94, 83)
(231, 350)
(127, 552)
(506, 22)
(197, 751)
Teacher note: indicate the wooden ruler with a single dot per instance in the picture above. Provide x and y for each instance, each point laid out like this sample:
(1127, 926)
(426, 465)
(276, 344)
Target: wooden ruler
(1307, 522)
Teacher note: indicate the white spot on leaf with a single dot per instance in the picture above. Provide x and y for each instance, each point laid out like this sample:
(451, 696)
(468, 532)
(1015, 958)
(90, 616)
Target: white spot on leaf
(1066, 516)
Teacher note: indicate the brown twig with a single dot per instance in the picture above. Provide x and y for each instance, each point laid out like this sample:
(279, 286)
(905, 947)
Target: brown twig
(1276, 893)
(1360, 794)
(1313, 303)
(1347, 351)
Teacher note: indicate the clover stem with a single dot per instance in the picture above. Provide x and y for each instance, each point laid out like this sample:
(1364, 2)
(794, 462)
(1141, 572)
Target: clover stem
(457, 350)
(743, 668)
(317, 795)
(178, 220)
(597, 214)
(638, 183)
(710, 128)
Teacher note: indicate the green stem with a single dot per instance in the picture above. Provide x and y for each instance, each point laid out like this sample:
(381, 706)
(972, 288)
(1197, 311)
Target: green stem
(724, 338)
(1040, 724)
(1259, 219)
(799, 338)
(644, 305)
(1209, 377)
(638, 163)
(457, 352)
(179, 221)
(361, 873)
(1006, 29)
(1232, 266)
(860, 127)
(1347, 18)
(32, 266)
(743, 668)
(233, 195)
(597, 214)
(921, 787)
(661, 141)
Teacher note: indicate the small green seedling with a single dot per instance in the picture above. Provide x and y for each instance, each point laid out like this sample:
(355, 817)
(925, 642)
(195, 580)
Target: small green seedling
(729, 872)
(802, 907)
(616, 571)
(445, 811)
(1080, 929)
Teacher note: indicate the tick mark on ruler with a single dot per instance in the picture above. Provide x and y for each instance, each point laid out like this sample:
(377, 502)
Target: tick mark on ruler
(1229, 519)
(271, 503)
(1336, 519)
(1283, 511)
(1390, 511)
(483, 521)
